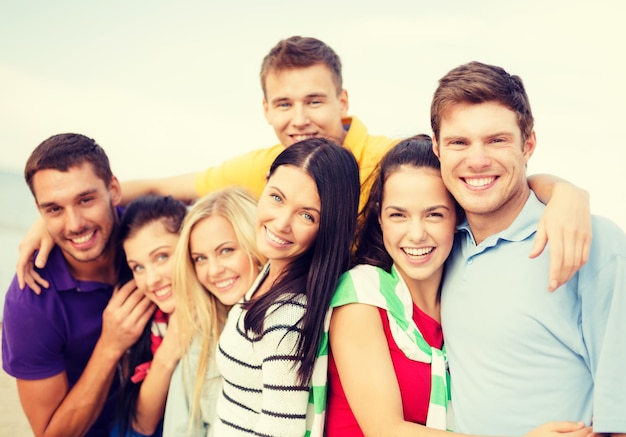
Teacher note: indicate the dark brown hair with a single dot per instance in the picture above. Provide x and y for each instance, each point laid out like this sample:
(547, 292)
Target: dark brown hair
(315, 273)
(416, 151)
(301, 52)
(64, 151)
(480, 83)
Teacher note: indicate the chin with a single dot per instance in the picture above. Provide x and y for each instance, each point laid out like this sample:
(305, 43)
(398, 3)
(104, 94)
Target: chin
(231, 299)
(166, 307)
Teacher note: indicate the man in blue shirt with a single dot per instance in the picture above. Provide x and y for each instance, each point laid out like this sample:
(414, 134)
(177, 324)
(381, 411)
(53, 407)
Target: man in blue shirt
(520, 356)
(63, 346)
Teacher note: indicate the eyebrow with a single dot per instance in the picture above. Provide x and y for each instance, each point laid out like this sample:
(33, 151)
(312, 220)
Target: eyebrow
(78, 196)
(225, 243)
(308, 96)
(306, 208)
(463, 137)
(158, 249)
(429, 209)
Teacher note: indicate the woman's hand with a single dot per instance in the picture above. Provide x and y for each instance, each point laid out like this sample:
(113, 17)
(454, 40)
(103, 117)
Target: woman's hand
(566, 224)
(37, 237)
(561, 429)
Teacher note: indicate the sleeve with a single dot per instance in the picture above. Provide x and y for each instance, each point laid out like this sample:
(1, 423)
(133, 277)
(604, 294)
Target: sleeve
(247, 171)
(177, 411)
(210, 393)
(285, 400)
(604, 326)
(33, 334)
(178, 406)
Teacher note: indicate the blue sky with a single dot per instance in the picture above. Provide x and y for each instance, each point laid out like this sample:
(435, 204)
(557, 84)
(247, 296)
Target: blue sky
(172, 87)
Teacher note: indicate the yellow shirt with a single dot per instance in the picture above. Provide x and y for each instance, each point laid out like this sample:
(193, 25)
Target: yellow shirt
(250, 170)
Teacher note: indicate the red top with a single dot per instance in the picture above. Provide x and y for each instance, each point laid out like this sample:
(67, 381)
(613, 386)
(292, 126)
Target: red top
(413, 378)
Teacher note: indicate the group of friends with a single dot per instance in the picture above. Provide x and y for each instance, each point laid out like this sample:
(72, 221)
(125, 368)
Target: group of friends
(306, 289)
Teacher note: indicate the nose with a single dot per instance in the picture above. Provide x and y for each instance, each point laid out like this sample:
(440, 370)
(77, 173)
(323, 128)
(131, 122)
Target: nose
(478, 157)
(417, 231)
(75, 221)
(215, 268)
(282, 221)
(153, 277)
(300, 116)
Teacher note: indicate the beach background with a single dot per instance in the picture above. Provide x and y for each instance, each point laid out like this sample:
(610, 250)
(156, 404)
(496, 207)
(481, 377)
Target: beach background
(172, 87)
(18, 212)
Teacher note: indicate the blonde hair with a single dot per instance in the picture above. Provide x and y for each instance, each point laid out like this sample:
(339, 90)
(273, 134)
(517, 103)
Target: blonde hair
(200, 314)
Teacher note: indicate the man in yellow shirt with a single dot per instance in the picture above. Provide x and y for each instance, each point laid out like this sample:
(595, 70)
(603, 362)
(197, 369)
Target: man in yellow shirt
(303, 97)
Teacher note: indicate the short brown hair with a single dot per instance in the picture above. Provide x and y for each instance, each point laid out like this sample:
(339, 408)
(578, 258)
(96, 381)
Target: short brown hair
(301, 52)
(64, 151)
(480, 83)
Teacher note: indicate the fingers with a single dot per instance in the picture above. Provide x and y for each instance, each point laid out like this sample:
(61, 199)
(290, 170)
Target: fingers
(44, 250)
(128, 306)
(569, 250)
(24, 261)
(556, 271)
(565, 426)
(584, 432)
(123, 292)
(567, 255)
(141, 312)
(561, 429)
(34, 280)
(27, 247)
(541, 239)
(125, 317)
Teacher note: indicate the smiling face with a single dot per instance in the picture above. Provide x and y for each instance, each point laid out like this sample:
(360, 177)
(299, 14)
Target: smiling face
(288, 216)
(78, 210)
(149, 252)
(222, 265)
(302, 103)
(417, 220)
(483, 162)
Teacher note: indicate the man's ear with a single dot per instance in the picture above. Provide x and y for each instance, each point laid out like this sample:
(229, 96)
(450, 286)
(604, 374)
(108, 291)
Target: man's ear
(435, 147)
(344, 102)
(115, 191)
(529, 146)
(266, 110)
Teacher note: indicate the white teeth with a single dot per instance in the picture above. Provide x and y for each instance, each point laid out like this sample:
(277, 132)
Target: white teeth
(225, 283)
(479, 182)
(83, 239)
(420, 251)
(275, 238)
(163, 291)
(302, 137)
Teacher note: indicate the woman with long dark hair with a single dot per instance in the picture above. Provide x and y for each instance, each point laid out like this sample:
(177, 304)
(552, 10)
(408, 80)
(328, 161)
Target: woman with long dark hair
(149, 234)
(306, 218)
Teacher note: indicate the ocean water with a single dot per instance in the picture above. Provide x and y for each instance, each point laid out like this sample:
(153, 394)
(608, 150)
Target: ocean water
(18, 213)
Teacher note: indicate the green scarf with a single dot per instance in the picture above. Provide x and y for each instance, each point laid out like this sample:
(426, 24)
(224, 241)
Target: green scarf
(373, 286)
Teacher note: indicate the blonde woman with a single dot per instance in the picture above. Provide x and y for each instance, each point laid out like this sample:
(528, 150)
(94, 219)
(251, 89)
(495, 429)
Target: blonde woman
(215, 263)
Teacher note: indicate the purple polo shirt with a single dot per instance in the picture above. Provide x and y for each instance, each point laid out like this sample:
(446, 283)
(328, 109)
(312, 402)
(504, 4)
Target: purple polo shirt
(44, 335)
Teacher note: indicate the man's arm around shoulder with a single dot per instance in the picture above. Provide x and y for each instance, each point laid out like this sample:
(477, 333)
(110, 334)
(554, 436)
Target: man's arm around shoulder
(182, 187)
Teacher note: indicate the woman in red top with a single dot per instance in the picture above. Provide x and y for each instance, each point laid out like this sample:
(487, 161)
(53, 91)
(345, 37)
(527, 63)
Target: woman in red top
(384, 349)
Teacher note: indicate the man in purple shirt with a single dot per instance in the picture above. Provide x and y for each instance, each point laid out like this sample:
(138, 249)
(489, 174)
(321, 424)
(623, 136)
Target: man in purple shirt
(63, 345)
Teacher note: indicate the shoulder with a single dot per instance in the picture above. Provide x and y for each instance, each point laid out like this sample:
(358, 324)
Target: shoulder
(20, 303)
(287, 311)
(363, 283)
(605, 230)
(57, 271)
(608, 243)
